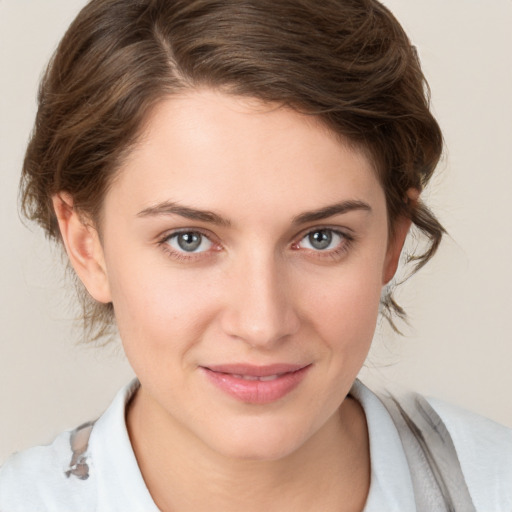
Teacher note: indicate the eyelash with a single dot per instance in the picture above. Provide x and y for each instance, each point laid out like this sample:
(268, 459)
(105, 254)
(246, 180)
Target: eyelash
(183, 255)
(344, 245)
(336, 253)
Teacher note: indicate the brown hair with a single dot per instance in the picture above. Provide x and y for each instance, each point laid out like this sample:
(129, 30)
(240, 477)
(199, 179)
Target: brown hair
(348, 62)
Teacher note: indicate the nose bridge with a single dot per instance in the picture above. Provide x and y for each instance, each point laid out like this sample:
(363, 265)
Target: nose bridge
(261, 310)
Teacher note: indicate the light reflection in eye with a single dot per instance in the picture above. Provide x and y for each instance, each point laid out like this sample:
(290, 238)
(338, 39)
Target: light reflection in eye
(321, 240)
(187, 244)
(189, 241)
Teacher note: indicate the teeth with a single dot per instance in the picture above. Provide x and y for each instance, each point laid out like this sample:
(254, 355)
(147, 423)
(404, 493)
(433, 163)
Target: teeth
(269, 377)
(253, 377)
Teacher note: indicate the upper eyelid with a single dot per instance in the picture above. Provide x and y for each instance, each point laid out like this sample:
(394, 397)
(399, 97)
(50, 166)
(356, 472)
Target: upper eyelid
(174, 232)
(164, 239)
(346, 241)
(343, 231)
(162, 242)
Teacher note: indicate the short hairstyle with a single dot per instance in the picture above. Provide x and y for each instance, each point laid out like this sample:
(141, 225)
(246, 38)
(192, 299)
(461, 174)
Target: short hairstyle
(347, 62)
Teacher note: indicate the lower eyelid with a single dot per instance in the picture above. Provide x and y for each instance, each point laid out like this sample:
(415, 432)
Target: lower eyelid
(204, 239)
(180, 255)
(338, 250)
(184, 255)
(342, 236)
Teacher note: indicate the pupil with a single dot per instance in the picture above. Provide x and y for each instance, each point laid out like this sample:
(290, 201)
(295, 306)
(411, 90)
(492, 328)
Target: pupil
(320, 239)
(189, 241)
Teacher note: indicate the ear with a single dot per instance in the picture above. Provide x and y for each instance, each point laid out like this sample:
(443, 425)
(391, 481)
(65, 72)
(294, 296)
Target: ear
(396, 243)
(83, 247)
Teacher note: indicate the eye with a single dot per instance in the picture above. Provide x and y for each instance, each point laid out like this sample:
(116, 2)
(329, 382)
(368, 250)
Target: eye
(189, 241)
(321, 240)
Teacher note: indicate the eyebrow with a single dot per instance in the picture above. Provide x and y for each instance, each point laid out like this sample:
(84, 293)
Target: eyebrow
(171, 208)
(331, 210)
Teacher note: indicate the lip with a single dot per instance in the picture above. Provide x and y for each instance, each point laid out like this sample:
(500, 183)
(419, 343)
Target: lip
(256, 384)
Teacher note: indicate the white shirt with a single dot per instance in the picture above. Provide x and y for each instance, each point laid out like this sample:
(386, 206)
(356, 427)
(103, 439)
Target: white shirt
(43, 479)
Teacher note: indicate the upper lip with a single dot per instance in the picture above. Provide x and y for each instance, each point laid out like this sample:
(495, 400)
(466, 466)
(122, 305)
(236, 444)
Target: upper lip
(255, 370)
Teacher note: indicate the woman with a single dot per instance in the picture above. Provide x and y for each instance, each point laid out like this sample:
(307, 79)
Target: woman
(233, 183)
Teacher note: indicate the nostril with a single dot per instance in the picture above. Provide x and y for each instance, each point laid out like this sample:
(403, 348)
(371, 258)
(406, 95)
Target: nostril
(259, 307)
(260, 326)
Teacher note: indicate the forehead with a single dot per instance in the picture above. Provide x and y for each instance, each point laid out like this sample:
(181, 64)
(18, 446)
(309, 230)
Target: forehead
(218, 150)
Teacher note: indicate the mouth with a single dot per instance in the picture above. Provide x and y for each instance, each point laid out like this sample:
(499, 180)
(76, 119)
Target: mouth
(261, 379)
(256, 384)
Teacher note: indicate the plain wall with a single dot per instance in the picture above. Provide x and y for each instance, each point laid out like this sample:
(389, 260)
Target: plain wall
(459, 345)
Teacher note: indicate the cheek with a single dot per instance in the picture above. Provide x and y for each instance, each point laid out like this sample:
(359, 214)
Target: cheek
(158, 306)
(347, 300)
(347, 316)
(347, 325)
(343, 312)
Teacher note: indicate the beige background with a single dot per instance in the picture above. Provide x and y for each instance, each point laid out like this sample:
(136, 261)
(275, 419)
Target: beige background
(459, 346)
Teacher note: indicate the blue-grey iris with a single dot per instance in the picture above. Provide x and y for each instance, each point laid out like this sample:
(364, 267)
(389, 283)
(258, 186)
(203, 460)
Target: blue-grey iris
(320, 239)
(189, 241)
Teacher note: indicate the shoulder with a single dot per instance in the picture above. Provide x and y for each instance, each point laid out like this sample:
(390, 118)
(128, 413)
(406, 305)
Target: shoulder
(429, 440)
(45, 478)
(484, 448)
(92, 467)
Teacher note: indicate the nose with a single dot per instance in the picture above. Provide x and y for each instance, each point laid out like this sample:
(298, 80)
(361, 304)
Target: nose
(259, 307)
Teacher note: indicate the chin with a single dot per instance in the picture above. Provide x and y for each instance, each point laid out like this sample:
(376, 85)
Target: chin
(259, 451)
(259, 440)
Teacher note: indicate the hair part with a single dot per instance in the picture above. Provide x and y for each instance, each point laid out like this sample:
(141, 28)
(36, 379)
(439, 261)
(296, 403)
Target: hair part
(347, 62)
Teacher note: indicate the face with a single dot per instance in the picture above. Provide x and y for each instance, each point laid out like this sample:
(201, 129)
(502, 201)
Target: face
(244, 248)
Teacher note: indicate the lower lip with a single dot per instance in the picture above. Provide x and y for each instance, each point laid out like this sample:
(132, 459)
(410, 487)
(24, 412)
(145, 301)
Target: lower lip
(257, 391)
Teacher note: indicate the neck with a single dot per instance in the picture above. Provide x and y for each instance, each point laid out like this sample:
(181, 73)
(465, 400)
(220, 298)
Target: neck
(330, 471)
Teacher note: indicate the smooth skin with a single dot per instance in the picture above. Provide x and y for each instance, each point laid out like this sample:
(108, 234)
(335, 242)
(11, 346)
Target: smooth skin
(242, 232)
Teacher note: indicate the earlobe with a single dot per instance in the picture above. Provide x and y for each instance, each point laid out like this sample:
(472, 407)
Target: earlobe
(83, 247)
(395, 246)
(395, 249)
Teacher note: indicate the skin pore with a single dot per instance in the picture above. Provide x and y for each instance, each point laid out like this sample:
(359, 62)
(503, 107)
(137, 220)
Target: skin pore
(242, 233)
